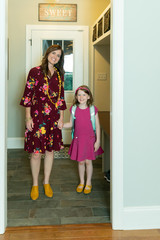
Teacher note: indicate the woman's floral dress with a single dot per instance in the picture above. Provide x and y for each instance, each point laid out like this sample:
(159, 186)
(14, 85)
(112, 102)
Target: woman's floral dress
(45, 134)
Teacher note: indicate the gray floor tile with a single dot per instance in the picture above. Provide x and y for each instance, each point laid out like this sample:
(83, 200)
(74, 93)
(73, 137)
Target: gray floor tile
(82, 220)
(60, 212)
(66, 206)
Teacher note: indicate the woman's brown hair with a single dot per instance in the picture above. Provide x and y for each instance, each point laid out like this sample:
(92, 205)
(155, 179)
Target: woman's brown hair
(59, 65)
(85, 89)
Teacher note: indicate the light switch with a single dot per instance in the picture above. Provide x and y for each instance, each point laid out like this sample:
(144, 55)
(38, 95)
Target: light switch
(102, 76)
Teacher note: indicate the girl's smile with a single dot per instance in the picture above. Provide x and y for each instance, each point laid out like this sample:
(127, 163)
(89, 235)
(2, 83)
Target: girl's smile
(82, 97)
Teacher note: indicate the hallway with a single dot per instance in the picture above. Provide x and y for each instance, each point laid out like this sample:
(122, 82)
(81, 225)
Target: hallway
(67, 206)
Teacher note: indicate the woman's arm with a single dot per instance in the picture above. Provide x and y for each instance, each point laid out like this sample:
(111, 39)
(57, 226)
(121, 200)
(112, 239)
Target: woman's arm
(97, 143)
(29, 121)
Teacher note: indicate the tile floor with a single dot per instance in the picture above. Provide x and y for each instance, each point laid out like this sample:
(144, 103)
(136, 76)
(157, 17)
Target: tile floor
(66, 206)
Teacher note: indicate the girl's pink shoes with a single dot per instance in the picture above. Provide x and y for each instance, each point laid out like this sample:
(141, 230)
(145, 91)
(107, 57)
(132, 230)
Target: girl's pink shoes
(48, 190)
(34, 192)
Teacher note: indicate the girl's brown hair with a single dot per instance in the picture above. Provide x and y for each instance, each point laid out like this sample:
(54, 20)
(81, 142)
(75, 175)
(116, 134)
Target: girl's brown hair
(59, 65)
(85, 89)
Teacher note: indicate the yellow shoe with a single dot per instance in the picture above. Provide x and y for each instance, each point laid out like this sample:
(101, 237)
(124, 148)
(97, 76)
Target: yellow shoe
(34, 192)
(87, 189)
(48, 190)
(79, 188)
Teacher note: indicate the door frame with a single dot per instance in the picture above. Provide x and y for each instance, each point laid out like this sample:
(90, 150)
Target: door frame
(117, 51)
(116, 116)
(84, 29)
(3, 110)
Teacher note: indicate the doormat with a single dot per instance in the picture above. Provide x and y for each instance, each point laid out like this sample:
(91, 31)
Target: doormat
(63, 153)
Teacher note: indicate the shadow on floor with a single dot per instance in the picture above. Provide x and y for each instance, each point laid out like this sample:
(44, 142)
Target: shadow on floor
(66, 206)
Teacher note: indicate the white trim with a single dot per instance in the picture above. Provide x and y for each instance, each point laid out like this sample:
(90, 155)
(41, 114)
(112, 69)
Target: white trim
(141, 217)
(3, 111)
(117, 75)
(14, 143)
(85, 29)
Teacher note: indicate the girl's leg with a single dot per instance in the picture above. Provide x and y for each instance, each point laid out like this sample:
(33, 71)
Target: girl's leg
(81, 170)
(89, 171)
(48, 163)
(35, 163)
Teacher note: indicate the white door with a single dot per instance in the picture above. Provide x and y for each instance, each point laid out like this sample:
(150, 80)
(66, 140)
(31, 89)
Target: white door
(72, 42)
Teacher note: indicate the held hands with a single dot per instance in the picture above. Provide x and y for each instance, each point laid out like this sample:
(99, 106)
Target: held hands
(29, 124)
(96, 145)
(60, 124)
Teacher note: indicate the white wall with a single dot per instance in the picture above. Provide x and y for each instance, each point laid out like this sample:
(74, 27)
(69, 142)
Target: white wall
(135, 114)
(141, 166)
(142, 103)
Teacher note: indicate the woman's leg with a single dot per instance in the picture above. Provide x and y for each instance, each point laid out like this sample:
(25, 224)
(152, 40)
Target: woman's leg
(35, 163)
(48, 163)
(81, 170)
(89, 171)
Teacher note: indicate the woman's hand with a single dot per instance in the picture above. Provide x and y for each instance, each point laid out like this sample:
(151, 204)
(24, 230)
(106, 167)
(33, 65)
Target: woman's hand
(60, 123)
(96, 146)
(29, 124)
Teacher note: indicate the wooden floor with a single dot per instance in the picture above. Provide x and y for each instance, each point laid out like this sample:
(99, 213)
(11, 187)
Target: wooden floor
(77, 232)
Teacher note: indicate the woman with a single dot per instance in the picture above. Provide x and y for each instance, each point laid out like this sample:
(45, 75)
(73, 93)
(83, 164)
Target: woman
(44, 102)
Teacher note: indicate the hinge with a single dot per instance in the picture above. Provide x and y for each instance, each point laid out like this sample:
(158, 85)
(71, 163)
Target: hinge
(30, 41)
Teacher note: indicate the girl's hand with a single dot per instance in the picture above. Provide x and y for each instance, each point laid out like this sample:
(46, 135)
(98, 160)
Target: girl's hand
(29, 124)
(96, 146)
(60, 124)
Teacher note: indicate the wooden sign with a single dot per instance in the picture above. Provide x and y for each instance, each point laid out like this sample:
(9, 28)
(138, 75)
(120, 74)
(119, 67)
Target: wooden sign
(57, 12)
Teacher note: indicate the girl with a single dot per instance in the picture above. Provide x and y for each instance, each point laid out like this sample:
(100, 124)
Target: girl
(85, 145)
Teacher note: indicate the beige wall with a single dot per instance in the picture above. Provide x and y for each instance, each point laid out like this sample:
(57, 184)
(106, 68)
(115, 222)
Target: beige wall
(26, 12)
(102, 87)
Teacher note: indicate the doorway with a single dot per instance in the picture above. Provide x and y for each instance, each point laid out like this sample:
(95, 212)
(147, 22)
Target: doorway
(117, 115)
(66, 206)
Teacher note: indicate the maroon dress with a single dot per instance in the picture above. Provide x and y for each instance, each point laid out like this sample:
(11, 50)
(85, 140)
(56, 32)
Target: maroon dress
(45, 134)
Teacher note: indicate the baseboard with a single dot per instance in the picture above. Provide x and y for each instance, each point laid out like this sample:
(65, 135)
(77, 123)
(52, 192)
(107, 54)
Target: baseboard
(141, 218)
(13, 143)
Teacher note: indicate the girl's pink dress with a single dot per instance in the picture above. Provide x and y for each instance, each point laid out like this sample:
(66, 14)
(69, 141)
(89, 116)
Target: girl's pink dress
(82, 146)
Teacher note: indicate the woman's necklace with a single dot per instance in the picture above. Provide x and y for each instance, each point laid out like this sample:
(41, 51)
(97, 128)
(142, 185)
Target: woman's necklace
(59, 84)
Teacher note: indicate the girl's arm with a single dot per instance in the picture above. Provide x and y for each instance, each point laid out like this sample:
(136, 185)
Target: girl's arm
(29, 121)
(97, 143)
(68, 124)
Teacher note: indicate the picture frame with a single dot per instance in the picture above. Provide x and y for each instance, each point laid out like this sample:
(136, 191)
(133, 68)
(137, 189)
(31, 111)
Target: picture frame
(51, 12)
(107, 17)
(100, 29)
(94, 36)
